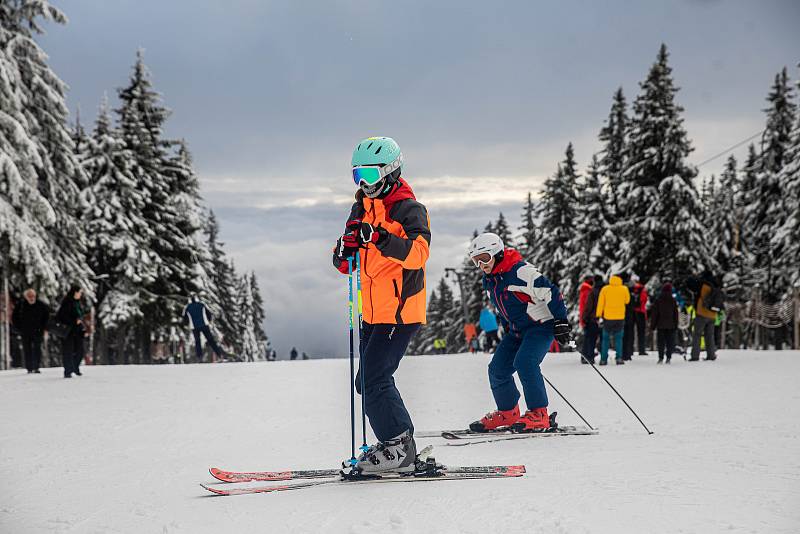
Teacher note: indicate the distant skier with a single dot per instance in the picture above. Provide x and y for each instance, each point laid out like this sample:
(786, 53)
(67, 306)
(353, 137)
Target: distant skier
(390, 231)
(639, 304)
(30, 318)
(532, 313)
(708, 301)
(591, 329)
(488, 323)
(293, 354)
(197, 316)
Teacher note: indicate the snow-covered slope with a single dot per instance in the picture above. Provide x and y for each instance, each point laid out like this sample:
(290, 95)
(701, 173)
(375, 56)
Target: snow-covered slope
(122, 449)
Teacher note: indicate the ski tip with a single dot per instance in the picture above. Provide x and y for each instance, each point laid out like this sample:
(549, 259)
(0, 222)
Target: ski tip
(219, 474)
(213, 490)
(516, 470)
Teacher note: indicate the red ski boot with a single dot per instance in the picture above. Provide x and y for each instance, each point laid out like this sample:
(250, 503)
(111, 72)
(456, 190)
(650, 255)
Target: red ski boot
(495, 420)
(535, 420)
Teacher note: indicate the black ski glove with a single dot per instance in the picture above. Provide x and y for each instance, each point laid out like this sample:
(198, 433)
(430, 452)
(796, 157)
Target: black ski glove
(370, 234)
(346, 247)
(562, 331)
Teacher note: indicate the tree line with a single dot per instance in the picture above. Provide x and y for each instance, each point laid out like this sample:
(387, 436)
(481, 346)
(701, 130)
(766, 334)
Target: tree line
(116, 210)
(637, 209)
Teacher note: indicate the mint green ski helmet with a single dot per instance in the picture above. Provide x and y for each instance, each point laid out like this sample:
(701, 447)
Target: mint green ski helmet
(377, 165)
(375, 151)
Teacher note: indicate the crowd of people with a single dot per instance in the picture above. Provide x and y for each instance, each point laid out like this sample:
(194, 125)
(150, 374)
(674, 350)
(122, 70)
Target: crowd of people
(621, 311)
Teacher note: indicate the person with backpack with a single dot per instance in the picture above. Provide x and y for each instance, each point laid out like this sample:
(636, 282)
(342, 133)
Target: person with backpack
(591, 328)
(72, 313)
(639, 315)
(709, 300)
(664, 321)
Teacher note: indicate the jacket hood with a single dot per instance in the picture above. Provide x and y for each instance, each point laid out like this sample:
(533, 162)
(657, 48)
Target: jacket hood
(510, 258)
(615, 281)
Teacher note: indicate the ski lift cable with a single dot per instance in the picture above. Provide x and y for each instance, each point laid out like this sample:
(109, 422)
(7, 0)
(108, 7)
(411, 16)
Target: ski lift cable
(734, 147)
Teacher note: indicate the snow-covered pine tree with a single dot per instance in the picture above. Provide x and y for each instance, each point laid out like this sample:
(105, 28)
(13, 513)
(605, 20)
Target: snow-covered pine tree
(170, 189)
(250, 347)
(591, 228)
(119, 236)
(786, 241)
(660, 224)
(501, 228)
(41, 239)
(766, 211)
(724, 218)
(259, 316)
(422, 343)
(557, 215)
(613, 136)
(221, 297)
(529, 235)
(450, 317)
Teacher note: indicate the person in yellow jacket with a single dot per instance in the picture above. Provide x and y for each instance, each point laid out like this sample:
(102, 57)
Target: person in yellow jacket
(611, 304)
(390, 231)
(703, 325)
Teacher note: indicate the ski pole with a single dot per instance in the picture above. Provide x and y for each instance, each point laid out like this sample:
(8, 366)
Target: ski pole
(568, 403)
(361, 355)
(587, 360)
(352, 370)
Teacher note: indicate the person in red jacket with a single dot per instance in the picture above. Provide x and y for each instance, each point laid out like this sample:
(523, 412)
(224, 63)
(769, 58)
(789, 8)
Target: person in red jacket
(584, 291)
(639, 304)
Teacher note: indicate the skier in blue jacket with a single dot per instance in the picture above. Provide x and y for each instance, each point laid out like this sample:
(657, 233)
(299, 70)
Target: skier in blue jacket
(532, 313)
(196, 315)
(488, 323)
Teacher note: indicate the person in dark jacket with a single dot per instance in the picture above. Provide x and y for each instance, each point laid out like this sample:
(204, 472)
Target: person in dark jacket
(30, 319)
(591, 329)
(199, 318)
(703, 326)
(71, 314)
(664, 321)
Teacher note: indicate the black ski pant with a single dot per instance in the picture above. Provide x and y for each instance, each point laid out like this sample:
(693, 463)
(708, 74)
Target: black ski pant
(627, 336)
(640, 319)
(590, 334)
(72, 351)
(198, 346)
(32, 348)
(665, 340)
(382, 347)
(491, 340)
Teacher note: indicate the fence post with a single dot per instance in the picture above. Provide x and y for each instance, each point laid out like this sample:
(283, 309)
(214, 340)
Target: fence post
(797, 317)
(756, 320)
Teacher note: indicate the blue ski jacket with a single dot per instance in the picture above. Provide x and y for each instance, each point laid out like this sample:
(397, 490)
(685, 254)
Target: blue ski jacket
(523, 297)
(196, 314)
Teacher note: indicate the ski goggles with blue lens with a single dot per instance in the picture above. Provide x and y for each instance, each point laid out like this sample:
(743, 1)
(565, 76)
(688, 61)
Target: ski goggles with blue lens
(371, 174)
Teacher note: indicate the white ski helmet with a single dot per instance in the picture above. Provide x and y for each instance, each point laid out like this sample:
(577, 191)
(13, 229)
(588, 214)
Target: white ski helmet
(486, 242)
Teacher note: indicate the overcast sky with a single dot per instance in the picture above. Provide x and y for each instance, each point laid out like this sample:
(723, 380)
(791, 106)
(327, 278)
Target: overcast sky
(481, 96)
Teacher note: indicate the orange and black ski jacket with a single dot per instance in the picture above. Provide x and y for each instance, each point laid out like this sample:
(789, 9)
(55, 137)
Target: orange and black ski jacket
(393, 273)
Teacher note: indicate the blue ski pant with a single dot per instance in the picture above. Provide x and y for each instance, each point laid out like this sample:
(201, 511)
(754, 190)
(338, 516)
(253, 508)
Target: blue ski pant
(605, 342)
(382, 347)
(521, 354)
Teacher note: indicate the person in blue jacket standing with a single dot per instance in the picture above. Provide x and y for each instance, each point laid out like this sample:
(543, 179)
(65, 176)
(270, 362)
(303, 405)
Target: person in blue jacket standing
(532, 313)
(197, 316)
(488, 323)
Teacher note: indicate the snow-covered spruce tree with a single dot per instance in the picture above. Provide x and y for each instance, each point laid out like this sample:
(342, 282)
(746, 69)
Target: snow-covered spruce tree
(501, 228)
(119, 236)
(748, 189)
(259, 315)
(613, 136)
(557, 216)
(251, 349)
(422, 343)
(724, 218)
(766, 212)
(450, 317)
(171, 191)
(221, 297)
(660, 224)
(786, 241)
(527, 240)
(41, 239)
(592, 229)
